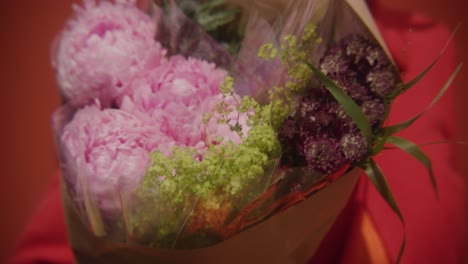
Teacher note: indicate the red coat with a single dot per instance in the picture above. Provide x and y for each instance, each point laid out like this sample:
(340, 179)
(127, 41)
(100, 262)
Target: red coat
(434, 227)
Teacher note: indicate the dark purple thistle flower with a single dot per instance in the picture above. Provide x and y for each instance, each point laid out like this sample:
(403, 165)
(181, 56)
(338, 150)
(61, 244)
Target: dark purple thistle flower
(308, 106)
(288, 130)
(356, 62)
(375, 111)
(342, 122)
(377, 58)
(323, 154)
(329, 120)
(360, 67)
(322, 135)
(288, 137)
(364, 52)
(340, 114)
(314, 113)
(355, 48)
(319, 119)
(354, 146)
(357, 91)
(369, 76)
(335, 62)
(381, 81)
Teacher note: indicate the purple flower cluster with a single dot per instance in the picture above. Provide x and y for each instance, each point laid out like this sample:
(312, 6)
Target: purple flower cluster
(321, 135)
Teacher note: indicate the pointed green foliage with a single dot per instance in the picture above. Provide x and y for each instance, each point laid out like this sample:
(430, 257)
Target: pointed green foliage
(390, 130)
(211, 15)
(378, 180)
(402, 248)
(385, 136)
(405, 87)
(417, 153)
(219, 18)
(379, 145)
(442, 142)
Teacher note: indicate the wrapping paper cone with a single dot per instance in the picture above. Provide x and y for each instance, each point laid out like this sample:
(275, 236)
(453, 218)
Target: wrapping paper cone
(289, 237)
(292, 236)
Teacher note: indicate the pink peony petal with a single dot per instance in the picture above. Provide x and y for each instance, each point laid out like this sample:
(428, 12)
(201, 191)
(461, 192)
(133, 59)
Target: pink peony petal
(174, 97)
(111, 149)
(102, 48)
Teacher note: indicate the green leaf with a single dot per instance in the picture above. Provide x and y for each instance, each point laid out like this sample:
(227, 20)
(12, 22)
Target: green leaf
(402, 248)
(215, 3)
(405, 87)
(213, 21)
(417, 153)
(390, 130)
(443, 142)
(378, 179)
(351, 108)
(331, 37)
(379, 145)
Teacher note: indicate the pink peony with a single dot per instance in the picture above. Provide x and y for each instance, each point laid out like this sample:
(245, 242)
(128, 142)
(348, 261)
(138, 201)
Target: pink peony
(174, 98)
(101, 48)
(111, 150)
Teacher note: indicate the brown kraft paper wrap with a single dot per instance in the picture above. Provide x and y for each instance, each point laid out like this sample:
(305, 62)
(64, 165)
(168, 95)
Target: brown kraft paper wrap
(289, 237)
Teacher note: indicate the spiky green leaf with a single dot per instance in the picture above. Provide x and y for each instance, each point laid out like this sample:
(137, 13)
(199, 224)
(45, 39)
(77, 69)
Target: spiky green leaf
(417, 153)
(390, 130)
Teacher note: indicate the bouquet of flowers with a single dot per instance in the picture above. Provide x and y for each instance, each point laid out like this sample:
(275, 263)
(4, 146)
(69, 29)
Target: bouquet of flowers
(215, 130)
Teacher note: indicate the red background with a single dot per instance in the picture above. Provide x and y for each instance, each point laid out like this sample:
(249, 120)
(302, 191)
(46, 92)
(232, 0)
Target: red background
(28, 97)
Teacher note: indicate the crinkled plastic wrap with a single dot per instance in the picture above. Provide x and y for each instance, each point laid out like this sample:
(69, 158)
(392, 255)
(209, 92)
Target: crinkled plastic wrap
(289, 237)
(281, 217)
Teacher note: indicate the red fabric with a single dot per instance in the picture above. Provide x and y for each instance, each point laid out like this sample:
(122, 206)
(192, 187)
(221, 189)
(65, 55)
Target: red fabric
(45, 239)
(434, 227)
